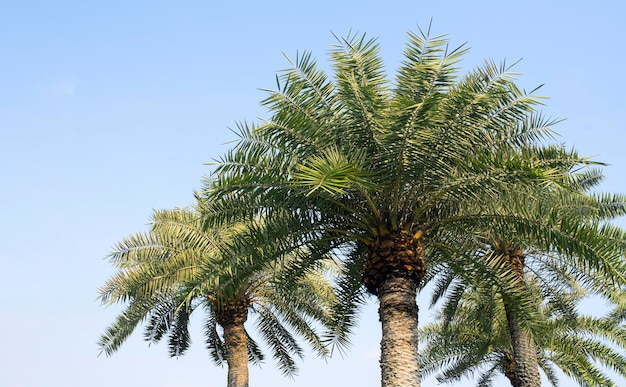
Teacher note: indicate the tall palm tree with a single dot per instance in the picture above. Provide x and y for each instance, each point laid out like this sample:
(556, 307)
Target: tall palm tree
(476, 341)
(176, 268)
(390, 174)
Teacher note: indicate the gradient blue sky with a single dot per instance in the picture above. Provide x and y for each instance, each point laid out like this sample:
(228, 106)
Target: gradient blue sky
(109, 109)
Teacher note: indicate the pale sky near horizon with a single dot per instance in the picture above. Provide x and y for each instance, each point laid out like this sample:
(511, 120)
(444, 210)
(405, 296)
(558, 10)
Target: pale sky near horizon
(109, 110)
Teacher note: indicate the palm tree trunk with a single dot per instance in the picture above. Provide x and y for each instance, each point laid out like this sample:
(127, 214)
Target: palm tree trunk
(509, 371)
(236, 343)
(525, 354)
(231, 316)
(524, 351)
(398, 316)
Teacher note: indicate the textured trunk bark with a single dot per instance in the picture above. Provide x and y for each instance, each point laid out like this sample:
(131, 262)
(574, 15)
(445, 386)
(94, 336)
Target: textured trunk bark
(525, 353)
(236, 343)
(231, 316)
(398, 316)
(509, 372)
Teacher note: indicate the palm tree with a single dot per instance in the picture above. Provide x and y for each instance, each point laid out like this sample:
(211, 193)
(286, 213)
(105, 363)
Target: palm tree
(569, 227)
(388, 174)
(176, 268)
(476, 340)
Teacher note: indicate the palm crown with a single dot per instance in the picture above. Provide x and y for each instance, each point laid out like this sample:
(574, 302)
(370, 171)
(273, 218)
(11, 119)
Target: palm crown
(389, 174)
(175, 268)
(366, 163)
(567, 240)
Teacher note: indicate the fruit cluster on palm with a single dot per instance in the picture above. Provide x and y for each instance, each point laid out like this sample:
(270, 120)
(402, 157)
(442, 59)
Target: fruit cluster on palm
(435, 175)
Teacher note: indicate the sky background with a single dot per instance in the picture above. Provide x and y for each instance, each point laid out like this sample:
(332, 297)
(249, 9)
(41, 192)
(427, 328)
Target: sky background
(109, 110)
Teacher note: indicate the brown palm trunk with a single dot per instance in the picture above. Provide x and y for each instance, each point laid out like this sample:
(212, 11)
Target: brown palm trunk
(394, 268)
(231, 316)
(524, 350)
(398, 316)
(236, 343)
(509, 371)
(525, 353)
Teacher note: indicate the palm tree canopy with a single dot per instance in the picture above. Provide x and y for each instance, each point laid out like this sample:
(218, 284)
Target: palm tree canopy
(348, 160)
(554, 251)
(357, 156)
(562, 235)
(177, 267)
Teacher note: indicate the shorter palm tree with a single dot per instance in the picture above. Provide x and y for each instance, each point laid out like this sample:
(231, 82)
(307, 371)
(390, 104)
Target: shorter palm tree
(569, 236)
(476, 340)
(177, 267)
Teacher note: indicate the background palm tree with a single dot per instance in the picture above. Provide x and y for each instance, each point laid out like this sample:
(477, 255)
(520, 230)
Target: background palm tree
(389, 175)
(570, 240)
(176, 268)
(477, 341)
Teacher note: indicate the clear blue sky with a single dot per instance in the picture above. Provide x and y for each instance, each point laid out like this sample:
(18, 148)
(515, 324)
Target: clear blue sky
(109, 109)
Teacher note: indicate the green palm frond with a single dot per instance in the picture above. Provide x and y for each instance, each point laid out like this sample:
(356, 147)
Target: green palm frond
(350, 296)
(330, 171)
(160, 320)
(283, 345)
(124, 325)
(179, 338)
